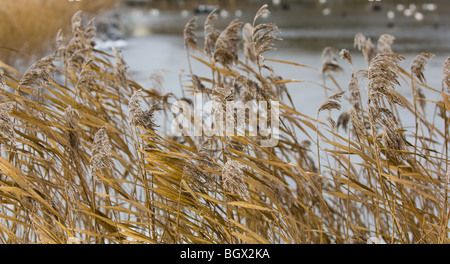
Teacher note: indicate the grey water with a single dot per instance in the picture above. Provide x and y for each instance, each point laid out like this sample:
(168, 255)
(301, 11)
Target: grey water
(154, 39)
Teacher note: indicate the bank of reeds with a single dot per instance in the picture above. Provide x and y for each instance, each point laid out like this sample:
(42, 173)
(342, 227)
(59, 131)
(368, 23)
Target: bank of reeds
(83, 159)
(29, 27)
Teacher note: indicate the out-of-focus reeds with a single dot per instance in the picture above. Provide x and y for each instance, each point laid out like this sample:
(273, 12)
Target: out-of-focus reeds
(82, 161)
(29, 26)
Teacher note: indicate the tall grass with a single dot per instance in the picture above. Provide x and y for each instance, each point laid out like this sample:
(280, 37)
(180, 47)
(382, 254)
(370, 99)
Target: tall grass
(84, 159)
(29, 26)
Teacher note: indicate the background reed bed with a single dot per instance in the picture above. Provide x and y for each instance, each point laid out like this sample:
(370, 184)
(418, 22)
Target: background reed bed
(85, 160)
(27, 33)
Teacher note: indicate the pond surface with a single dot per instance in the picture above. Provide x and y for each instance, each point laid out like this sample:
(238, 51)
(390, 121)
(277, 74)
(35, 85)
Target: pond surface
(155, 39)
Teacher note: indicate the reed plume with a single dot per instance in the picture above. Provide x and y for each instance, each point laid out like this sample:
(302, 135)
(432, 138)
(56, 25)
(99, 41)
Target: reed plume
(190, 39)
(211, 33)
(120, 69)
(77, 51)
(249, 46)
(72, 117)
(332, 102)
(6, 124)
(2, 79)
(263, 35)
(329, 60)
(232, 177)
(417, 70)
(227, 45)
(139, 117)
(345, 55)
(446, 78)
(101, 156)
(366, 46)
(384, 45)
(418, 65)
(355, 95)
(383, 78)
(38, 74)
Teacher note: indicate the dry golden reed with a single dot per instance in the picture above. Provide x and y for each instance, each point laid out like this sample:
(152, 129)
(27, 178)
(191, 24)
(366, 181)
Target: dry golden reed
(366, 46)
(139, 117)
(446, 78)
(384, 45)
(211, 33)
(232, 177)
(418, 65)
(384, 182)
(190, 39)
(101, 151)
(227, 44)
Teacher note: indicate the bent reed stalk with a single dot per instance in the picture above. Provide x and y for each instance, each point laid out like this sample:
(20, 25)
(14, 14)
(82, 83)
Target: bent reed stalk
(82, 162)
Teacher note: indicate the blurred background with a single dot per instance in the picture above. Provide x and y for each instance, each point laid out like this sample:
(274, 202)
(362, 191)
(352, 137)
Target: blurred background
(150, 32)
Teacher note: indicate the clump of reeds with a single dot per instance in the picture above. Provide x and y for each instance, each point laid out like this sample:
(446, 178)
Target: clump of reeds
(384, 182)
(29, 27)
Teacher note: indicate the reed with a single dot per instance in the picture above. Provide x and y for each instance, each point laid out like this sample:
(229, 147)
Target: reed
(82, 161)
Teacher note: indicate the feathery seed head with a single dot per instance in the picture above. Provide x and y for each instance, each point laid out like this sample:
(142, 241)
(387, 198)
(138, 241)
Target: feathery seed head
(383, 77)
(120, 69)
(358, 125)
(353, 89)
(190, 39)
(329, 60)
(366, 46)
(446, 79)
(227, 45)
(332, 102)
(384, 44)
(6, 125)
(232, 176)
(71, 116)
(345, 55)
(139, 117)
(211, 33)
(101, 151)
(418, 65)
(261, 12)
(2, 78)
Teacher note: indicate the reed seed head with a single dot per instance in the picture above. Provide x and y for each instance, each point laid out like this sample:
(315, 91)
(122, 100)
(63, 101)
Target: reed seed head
(353, 89)
(120, 69)
(249, 45)
(2, 79)
(384, 44)
(139, 117)
(71, 116)
(329, 60)
(383, 77)
(332, 102)
(343, 119)
(39, 73)
(101, 152)
(366, 46)
(357, 123)
(263, 36)
(211, 33)
(190, 39)
(446, 79)
(6, 124)
(418, 65)
(261, 12)
(345, 55)
(227, 45)
(232, 176)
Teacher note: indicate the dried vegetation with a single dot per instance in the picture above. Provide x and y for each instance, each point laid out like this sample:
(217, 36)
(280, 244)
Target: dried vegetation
(82, 161)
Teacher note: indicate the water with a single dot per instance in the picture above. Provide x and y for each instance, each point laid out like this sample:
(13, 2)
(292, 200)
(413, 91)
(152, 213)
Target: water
(155, 39)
